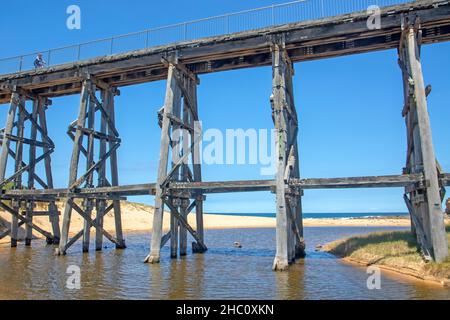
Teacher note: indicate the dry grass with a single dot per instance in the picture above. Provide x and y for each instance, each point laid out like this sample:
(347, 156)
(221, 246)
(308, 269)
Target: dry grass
(397, 250)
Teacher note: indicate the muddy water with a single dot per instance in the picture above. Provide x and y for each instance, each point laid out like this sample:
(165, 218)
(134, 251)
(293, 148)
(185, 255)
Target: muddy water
(224, 272)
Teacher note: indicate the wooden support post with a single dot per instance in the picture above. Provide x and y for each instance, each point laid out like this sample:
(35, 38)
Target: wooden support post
(31, 172)
(113, 166)
(78, 140)
(88, 202)
(289, 243)
(100, 203)
(281, 261)
(15, 100)
(17, 167)
(183, 231)
(172, 92)
(176, 150)
(294, 163)
(52, 208)
(184, 175)
(425, 201)
(195, 123)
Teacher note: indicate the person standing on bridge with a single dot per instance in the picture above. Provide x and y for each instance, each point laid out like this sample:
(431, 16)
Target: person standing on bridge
(39, 62)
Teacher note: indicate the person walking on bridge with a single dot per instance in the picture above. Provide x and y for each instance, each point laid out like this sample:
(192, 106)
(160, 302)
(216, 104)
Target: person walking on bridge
(39, 62)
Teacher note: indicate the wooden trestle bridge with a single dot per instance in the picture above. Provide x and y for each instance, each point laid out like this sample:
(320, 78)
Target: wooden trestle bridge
(404, 27)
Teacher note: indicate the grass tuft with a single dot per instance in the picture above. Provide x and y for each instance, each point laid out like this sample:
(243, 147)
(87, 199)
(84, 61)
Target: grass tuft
(396, 249)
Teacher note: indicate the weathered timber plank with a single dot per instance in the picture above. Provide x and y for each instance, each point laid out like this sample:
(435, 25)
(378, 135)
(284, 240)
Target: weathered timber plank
(436, 232)
(390, 181)
(172, 91)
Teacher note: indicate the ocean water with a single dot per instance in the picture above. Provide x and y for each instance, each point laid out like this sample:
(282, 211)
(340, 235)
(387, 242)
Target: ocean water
(326, 215)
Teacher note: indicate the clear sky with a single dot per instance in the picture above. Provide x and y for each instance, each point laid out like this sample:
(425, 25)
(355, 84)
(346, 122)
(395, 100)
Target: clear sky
(349, 107)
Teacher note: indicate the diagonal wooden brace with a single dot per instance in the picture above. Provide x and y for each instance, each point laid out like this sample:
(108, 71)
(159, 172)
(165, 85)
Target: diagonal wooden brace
(26, 221)
(94, 167)
(93, 223)
(184, 222)
(76, 237)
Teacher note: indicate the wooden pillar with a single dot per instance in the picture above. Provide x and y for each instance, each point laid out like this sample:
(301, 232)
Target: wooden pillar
(18, 165)
(289, 229)
(52, 208)
(15, 100)
(78, 140)
(172, 94)
(281, 261)
(183, 231)
(112, 92)
(196, 161)
(88, 202)
(176, 151)
(424, 202)
(31, 172)
(294, 167)
(100, 203)
(184, 171)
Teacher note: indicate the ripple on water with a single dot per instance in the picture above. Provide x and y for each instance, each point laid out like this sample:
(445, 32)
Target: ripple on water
(224, 272)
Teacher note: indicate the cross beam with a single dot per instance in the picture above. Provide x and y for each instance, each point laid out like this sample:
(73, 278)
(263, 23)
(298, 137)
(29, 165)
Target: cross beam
(411, 181)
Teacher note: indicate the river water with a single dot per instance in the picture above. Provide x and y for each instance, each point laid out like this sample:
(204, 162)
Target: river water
(223, 272)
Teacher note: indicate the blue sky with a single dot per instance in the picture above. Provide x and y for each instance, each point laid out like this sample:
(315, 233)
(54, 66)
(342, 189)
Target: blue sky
(349, 107)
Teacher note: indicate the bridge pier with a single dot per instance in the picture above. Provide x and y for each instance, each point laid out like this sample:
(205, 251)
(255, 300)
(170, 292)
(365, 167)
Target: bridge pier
(181, 133)
(424, 201)
(289, 229)
(23, 210)
(108, 138)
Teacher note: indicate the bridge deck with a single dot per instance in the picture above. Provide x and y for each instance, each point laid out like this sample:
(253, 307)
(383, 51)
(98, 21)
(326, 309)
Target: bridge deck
(329, 37)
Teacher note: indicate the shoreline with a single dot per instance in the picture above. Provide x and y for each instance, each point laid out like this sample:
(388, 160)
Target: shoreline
(399, 272)
(391, 252)
(142, 224)
(138, 218)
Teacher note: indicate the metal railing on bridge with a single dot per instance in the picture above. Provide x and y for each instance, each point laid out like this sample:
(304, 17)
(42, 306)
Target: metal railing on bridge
(273, 15)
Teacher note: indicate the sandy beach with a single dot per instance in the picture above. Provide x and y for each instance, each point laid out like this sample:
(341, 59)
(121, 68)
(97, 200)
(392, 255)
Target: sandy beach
(138, 218)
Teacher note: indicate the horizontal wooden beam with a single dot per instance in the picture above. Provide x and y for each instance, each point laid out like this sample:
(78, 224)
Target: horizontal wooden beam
(112, 192)
(224, 186)
(194, 188)
(394, 181)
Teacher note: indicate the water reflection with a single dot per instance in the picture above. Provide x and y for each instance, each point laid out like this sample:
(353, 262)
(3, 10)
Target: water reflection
(224, 272)
(290, 284)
